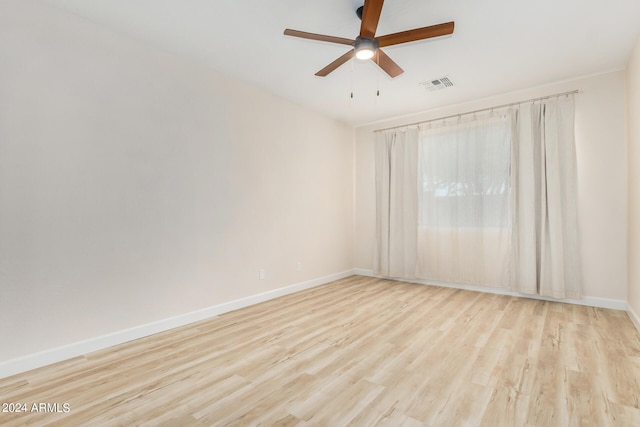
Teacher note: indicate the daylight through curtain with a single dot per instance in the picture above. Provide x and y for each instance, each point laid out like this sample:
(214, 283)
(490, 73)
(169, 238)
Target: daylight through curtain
(464, 227)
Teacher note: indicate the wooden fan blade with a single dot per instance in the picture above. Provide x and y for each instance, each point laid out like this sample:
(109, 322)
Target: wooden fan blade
(335, 64)
(387, 64)
(417, 34)
(320, 37)
(370, 18)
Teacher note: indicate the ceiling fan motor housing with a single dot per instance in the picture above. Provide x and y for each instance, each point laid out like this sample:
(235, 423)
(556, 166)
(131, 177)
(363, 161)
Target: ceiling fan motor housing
(365, 43)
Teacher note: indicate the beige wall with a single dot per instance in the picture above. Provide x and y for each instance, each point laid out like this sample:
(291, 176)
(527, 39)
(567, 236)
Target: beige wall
(602, 179)
(135, 187)
(633, 135)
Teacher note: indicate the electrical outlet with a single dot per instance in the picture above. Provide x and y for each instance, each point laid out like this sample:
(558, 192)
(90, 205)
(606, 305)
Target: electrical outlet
(299, 266)
(261, 274)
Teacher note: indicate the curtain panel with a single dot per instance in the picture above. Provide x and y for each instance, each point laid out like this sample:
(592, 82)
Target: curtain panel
(396, 154)
(545, 257)
(464, 230)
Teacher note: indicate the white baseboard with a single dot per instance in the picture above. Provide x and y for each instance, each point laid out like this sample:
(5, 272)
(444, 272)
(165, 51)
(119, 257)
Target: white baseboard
(48, 357)
(635, 319)
(613, 304)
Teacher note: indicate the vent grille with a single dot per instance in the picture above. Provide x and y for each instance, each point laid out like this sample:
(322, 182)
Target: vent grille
(437, 84)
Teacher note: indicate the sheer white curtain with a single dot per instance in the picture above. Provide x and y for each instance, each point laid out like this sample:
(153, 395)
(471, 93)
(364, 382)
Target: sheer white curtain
(396, 156)
(464, 220)
(545, 256)
(486, 199)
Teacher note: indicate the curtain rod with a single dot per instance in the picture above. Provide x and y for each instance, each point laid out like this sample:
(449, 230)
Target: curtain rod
(571, 92)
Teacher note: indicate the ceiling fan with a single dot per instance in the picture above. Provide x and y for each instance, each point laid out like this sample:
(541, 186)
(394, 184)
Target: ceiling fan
(367, 45)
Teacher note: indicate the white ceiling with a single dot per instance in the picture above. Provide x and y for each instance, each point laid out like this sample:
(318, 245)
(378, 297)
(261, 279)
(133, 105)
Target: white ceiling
(498, 46)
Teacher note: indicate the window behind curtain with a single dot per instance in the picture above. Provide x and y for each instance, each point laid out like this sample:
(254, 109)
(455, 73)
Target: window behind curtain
(464, 198)
(495, 198)
(464, 174)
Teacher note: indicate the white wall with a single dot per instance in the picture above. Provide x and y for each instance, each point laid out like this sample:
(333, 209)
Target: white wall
(602, 180)
(135, 187)
(633, 135)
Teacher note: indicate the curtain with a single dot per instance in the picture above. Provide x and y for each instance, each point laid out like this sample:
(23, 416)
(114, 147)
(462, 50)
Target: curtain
(488, 199)
(396, 154)
(545, 257)
(464, 227)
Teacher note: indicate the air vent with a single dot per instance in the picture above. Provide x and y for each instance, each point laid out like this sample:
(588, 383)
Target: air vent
(437, 84)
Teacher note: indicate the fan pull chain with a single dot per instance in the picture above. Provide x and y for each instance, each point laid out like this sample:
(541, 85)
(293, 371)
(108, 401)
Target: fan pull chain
(351, 77)
(377, 77)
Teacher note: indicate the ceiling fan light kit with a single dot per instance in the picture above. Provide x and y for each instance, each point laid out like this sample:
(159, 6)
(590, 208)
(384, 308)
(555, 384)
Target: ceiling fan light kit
(367, 46)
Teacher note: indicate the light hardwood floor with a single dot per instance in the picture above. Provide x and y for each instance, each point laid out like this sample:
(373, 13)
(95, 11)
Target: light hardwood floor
(359, 351)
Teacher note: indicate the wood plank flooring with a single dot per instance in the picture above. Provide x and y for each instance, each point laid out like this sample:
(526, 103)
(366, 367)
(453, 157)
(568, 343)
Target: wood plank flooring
(359, 351)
